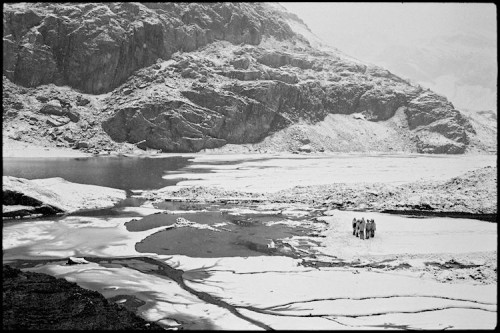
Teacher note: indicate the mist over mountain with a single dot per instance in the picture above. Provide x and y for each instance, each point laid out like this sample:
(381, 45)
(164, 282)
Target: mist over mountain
(447, 47)
(463, 67)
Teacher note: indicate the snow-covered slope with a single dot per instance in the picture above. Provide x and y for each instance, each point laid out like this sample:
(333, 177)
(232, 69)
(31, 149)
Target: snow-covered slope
(463, 67)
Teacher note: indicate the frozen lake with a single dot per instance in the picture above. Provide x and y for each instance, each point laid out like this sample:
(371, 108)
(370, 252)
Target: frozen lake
(249, 172)
(191, 266)
(257, 173)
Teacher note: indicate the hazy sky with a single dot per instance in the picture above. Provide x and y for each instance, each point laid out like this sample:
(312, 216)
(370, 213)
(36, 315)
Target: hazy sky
(355, 28)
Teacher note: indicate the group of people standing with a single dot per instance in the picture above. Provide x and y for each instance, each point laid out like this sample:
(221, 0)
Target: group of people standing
(362, 228)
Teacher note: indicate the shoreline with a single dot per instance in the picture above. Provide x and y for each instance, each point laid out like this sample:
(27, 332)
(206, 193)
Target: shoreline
(472, 194)
(492, 218)
(18, 149)
(21, 149)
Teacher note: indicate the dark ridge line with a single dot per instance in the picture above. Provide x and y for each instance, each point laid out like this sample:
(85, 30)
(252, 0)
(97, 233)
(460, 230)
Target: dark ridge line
(176, 275)
(425, 213)
(378, 297)
(251, 308)
(251, 273)
(335, 321)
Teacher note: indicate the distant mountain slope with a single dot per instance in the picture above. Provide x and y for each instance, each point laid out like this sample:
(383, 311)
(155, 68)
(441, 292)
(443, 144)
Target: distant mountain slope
(463, 67)
(182, 77)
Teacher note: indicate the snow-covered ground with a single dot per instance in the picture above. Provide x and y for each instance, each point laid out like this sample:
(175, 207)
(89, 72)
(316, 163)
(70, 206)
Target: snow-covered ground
(67, 196)
(12, 148)
(270, 173)
(279, 292)
(397, 235)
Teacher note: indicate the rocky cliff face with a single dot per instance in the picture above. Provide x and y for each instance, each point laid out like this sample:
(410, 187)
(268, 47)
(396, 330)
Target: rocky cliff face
(95, 47)
(186, 77)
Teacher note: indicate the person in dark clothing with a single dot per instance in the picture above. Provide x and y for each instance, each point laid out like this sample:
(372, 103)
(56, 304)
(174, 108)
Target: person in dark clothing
(368, 228)
(358, 222)
(373, 228)
(354, 222)
(362, 226)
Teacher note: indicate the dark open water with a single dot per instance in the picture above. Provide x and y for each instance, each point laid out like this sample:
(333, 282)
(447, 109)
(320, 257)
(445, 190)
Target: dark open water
(125, 173)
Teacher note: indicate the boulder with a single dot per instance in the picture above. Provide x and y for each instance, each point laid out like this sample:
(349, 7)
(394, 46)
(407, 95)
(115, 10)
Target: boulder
(17, 105)
(283, 76)
(56, 122)
(82, 144)
(42, 99)
(306, 149)
(68, 138)
(243, 75)
(127, 91)
(72, 115)
(15, 136)
(188, 73)
(82, 101)
(11, 113)
(53, 107)
(241, 63)
(76, 261)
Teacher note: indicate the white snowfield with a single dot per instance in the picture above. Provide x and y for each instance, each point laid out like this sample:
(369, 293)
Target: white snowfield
(271, 173)
(396, 235)
(276, 292)
(12, 148)
(68, 196)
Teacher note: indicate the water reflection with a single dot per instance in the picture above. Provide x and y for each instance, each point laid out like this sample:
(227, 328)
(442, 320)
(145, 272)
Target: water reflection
(126, 173)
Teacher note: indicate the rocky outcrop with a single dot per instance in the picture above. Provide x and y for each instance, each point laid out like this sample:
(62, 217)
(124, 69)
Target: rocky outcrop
(175, 112)
(434, 118)
(183, 77)
(23, 197)
(95, 47)
(36, 301)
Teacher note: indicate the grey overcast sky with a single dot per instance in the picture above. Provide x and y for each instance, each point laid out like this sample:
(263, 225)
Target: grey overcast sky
(356, 27)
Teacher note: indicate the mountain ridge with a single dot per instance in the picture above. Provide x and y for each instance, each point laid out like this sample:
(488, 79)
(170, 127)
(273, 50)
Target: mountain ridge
(206, 75)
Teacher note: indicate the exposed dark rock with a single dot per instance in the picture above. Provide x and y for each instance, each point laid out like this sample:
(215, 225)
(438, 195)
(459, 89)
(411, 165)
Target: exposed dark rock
(189, 73)
(282, 76)
(17, 203)
(17, 105)
(50, 196)
(53, 107)
(278, 59)
(241, 63)
(82, 144)
(35, 301)
(76, 261)
(204, 96)
(72, 115)
(170, 126)
(64, 48)
(81, 101)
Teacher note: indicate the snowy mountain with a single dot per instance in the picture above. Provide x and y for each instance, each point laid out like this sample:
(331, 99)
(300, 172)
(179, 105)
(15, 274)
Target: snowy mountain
(461, 66)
